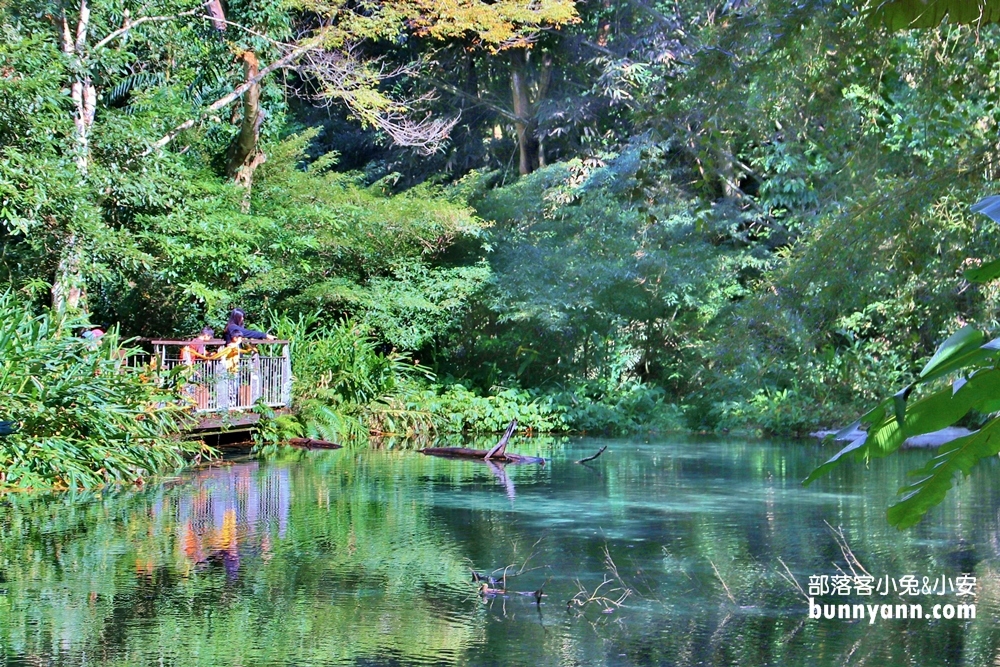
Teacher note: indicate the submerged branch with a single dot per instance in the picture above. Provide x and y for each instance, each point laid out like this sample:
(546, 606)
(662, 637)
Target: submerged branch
(790, 578)
(591, 458)
(852, 561)
(722, 581)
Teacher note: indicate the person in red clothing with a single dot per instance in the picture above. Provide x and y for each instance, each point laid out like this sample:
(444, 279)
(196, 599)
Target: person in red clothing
(196, 348)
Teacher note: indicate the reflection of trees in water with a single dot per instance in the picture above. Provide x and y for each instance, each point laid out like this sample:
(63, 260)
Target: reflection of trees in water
(244, 564)
(358, 558)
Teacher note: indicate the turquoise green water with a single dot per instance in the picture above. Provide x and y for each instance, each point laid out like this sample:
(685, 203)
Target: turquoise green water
(360, 557)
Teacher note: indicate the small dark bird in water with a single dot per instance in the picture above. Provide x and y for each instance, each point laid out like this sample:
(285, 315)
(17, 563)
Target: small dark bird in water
(477, 577)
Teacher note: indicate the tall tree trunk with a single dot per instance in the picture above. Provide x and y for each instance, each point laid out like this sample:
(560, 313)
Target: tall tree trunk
(527, 93)
(68, 290)
(727, 172)
(244, 156)
(525, 125)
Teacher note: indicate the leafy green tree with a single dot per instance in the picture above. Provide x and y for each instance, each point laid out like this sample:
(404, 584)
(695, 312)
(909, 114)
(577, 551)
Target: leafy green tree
(141, 77)
(589, 285)
(311, 240)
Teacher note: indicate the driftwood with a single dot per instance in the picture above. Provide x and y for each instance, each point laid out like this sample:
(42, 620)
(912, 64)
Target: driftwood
(501, 447)
(591, 458)
(497, 454)
(310, 443)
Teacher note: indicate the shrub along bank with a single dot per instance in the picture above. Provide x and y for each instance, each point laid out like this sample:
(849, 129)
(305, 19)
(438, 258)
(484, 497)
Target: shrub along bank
(346, 388)
(86, 416)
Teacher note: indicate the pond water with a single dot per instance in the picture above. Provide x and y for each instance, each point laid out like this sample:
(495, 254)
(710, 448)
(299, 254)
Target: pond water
(364, 557)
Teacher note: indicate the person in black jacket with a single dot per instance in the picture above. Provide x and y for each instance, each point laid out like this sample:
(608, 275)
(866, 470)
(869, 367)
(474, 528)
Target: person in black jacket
(235, 329)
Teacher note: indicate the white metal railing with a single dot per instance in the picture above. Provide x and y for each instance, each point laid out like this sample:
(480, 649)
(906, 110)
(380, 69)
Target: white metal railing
(212, 386)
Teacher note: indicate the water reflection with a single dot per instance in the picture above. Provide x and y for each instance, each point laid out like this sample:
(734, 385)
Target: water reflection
(500, 473)
(228, 509)
(349, 557)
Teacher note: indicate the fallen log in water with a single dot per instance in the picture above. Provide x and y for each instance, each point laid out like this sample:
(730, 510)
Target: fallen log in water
(497, 454)
(479, 455)
(310, 443)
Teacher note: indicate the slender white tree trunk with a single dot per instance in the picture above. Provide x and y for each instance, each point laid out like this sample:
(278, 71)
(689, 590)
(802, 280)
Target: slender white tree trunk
(67, 285)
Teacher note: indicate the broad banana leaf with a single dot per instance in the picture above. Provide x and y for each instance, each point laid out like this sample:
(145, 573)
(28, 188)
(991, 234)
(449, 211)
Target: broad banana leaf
(892, 421)
(937, 477)
(905, 14)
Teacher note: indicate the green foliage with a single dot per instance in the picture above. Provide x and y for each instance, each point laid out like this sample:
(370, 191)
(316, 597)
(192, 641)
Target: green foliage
(632, 407)
(953, 459)
(91, 544)
(341, 360)
(456, 409)
(88, 417)
(313, 239)
(752, 216)
(589, 284)
(142, 82)
(779, 411)
(345, 388)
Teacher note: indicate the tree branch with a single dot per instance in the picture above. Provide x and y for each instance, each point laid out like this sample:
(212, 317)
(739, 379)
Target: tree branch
(143, 19)
(600, 49)
(284, 61)
(472, 98)
(216, 21)
(591, 458)
(340, 75)
(65, 36)
(81, 27)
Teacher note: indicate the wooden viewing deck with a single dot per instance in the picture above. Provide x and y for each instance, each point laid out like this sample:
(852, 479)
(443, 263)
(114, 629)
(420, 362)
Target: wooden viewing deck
(224, 394)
